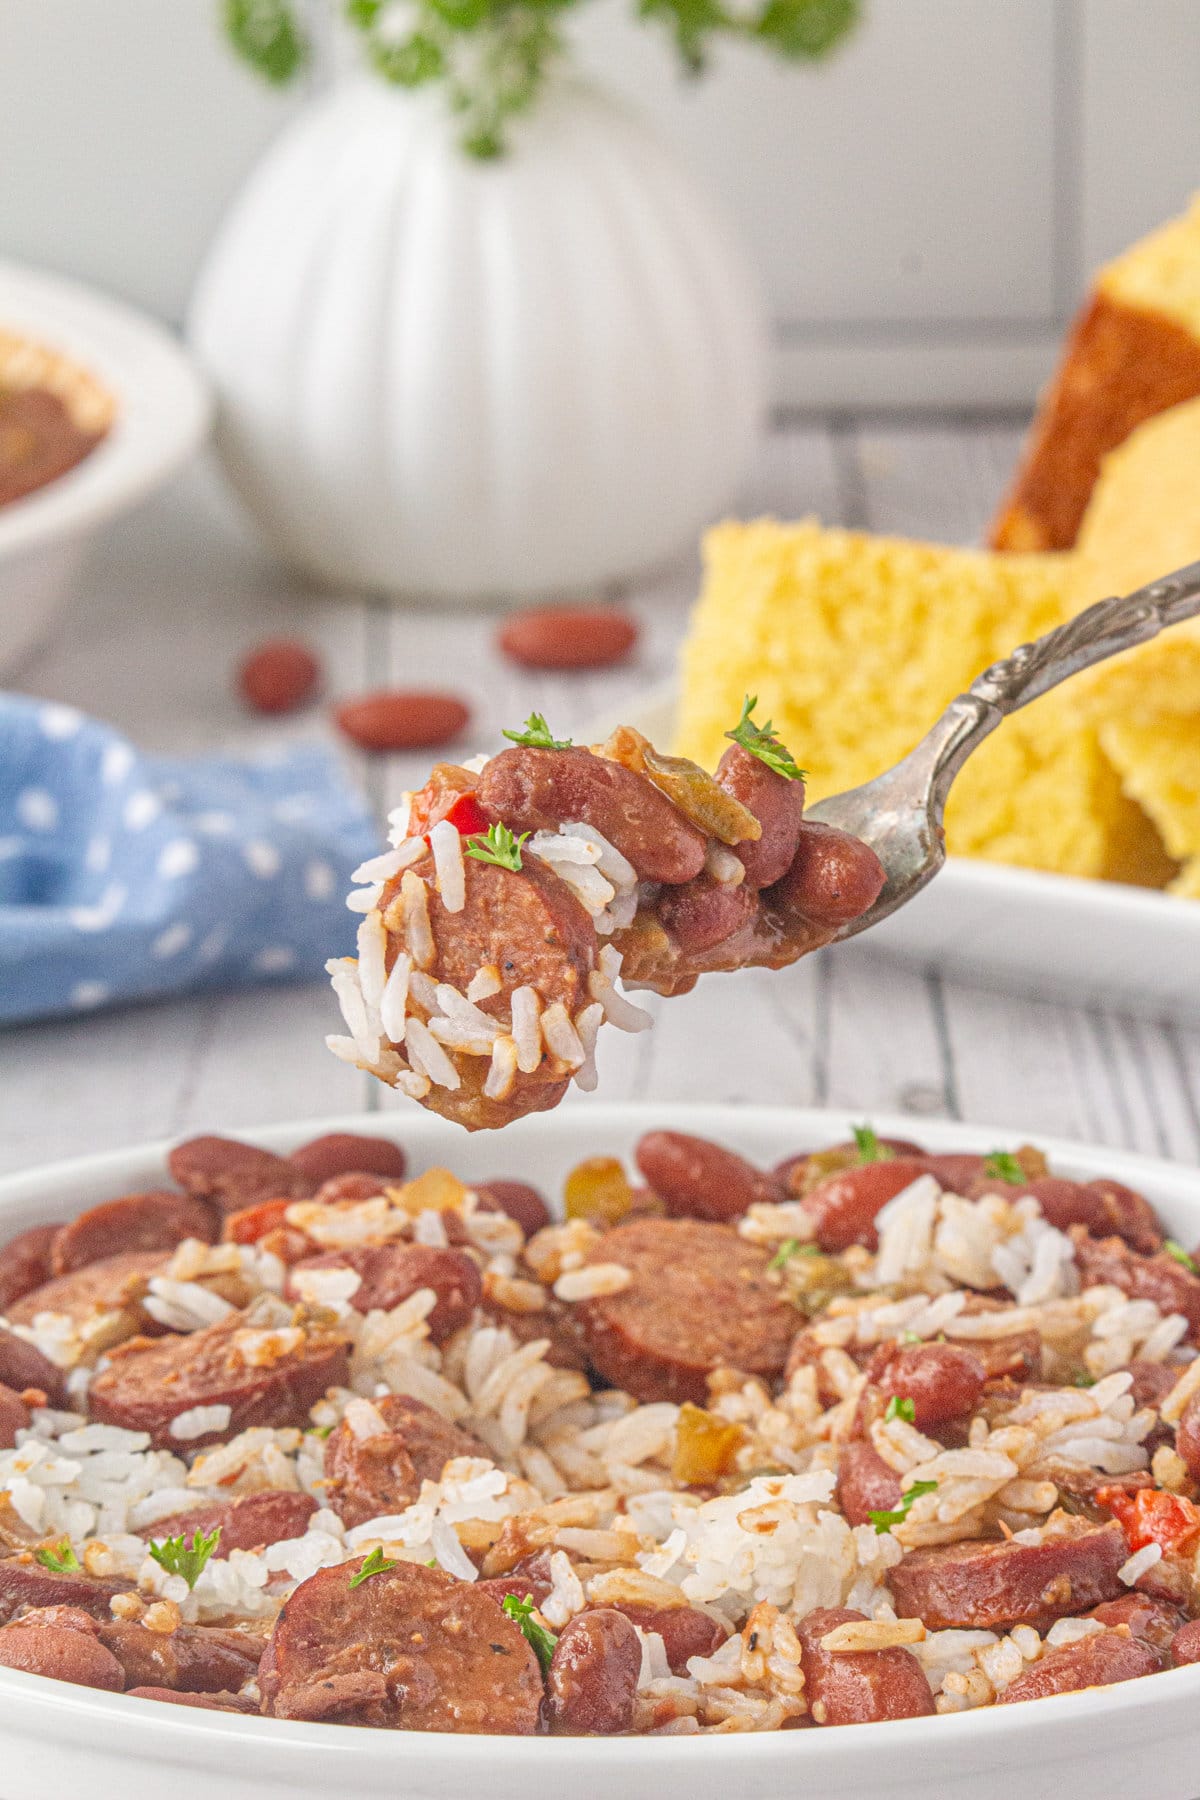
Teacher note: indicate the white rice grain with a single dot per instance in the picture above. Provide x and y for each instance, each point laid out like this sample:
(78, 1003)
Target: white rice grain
(526, 1029)
(418, 933)
(1135, 1567)
(383, 868)
(484, 983)
(198, 1421)
(503, 1072)
(589, 1283)
(428, 1058)
(446, 843)
(393, 1003)
(561, 1037)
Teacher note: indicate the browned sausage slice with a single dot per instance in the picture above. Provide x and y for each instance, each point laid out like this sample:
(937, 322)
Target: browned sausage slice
(986, 1586)
(1159, 1278)
(25, 1583)
(250, 1522)
(233, 1364)
(228, 1703)
(697, 1179)
(863, 1686)
(236, 1175)
(349, 1153)
(116, 1284)
(700, 1298)
(25, 1263)
(591, 1683)
(777, 804)
(539, 790)
(14, 1417)
(411, 1647)
(684, 1630)
(1185, 1645)
(1187, 1437)
(61, 1654)
(23, 1366)
(1097, 1661)
(392, 1272)
(197, 1659)
(152, 1221)
(371, 1477)
(1154, 1621)
(865, 1483)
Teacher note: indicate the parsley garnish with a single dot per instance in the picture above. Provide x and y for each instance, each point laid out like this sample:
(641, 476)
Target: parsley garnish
(883, 1521)
(792, 1247)
(760, 741)
(376, 1563)
(536, 735)
(1002, 1165)
(540, 1640)
(1084, 1380)
(60, 1560)
(911, 1337)
(869, 1148)
(1181, 1256)
(499, 847)
(901, 1407)
(178, 1557)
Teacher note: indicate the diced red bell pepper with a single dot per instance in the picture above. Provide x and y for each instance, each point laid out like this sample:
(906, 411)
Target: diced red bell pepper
(468, 816)
(1151, 1516)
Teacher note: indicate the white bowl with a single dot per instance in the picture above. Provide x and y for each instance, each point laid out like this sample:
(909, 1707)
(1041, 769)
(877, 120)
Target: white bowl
(1143, 1736)
(162, 413)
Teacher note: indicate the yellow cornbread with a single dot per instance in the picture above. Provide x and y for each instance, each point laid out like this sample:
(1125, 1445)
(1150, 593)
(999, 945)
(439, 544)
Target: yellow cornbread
(854, 644)
(1187, 883)
(1159, 767)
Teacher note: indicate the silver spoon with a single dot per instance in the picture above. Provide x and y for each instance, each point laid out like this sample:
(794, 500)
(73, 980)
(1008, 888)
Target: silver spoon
(900, 814)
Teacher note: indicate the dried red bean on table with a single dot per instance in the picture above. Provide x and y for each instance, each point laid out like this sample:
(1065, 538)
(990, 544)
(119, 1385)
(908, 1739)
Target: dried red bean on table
(567, 637)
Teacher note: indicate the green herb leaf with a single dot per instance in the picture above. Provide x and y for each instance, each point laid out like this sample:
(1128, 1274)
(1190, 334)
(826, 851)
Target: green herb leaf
(911, 1337)
(536, 735)
(806, 30)
(266, 34)
(760, 741)
(499, 847)
(178, 1557)
(901, 1407)
(792, 1247)
(870, 1150)
(376, 1563)
(1181, 1256)
(1084, 1380)
(1002, 1165)
(883, 1521)
(541, 1641)
(61, 1560)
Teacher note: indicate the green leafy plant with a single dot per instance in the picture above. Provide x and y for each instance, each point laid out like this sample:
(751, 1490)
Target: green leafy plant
(492, 56)
(178, 1557)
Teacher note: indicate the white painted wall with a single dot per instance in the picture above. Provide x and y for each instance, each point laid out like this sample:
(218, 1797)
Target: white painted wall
(923, 209)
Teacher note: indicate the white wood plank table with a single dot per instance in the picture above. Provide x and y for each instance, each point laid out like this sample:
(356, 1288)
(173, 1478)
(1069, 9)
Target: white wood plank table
(181, 590)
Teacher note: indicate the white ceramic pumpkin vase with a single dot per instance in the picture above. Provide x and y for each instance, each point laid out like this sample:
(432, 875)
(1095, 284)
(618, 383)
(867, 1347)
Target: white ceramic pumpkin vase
(446, 378)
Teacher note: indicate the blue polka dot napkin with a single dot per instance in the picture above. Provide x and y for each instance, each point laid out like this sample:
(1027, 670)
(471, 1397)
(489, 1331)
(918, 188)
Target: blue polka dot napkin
(124, 876)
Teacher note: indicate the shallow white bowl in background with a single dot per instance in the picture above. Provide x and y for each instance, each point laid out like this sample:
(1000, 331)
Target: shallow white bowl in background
(1141, 1737)
(162, 413)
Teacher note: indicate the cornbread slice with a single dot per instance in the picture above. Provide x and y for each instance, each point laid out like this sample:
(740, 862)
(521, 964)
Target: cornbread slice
(1159, 766)
(1133, 351)
(854, 644)
(1187, 883)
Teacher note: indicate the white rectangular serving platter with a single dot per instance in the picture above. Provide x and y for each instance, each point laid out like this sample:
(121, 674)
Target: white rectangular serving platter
(1052, 937)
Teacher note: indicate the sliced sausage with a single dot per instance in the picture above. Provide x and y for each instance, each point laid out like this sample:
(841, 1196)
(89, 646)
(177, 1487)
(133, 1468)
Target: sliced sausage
(1159, 1278)
(844, 1206)
(697, 1179)
(14, 1417)
(152, 1221)
(23, 1366)
(25, 1263)
(704, 913)
(147, 1385)
(235, 1175)
(556, 1321)
(777, 804)
(833, 878)
(1154, 1621)
(990, 1586)
(411, 1647)
(700, 1298)
(943, 1381)
(863, 1686)
(26, 1583)
(520, 1201)
(1187, 1437)
(591, 1684)
(1096, 1661)
(115, 1284)
(865, 1483)
(1104, 1208)
(227, 1703)
(539, 790)
(1185, 1645)
(62, 1654)
(371, 1477)
(197, 1659)
(392, 1272)
(250, 1522)
(684, 1630)
(349, 1153)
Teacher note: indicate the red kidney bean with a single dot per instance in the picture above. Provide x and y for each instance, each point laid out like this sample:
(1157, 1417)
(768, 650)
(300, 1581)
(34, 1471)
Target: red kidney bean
(520, 1201)
(1154, 1621)
(791, 1171)
(777, 804)
(279, 676)
(703, 913)
(696, 1179)
(350, 1153)
(943, 1381)
(531, 1579)
(1104, 1209)
(14, 1417)
(1159, 1278)
(367, 1478)
(861, 1687)
(25, 1263)
(391, 1272)
(866, 1484)
(567, 637)
(955, 1170)
(1187, 1437)
(591, 1683)
(393, 720)
(1097, 1661)
(833, 878)
(1152, 1381)
(1185, 1645)
(684, 1630)
(227, 1703)
(61, 1654)
(843, 1206)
